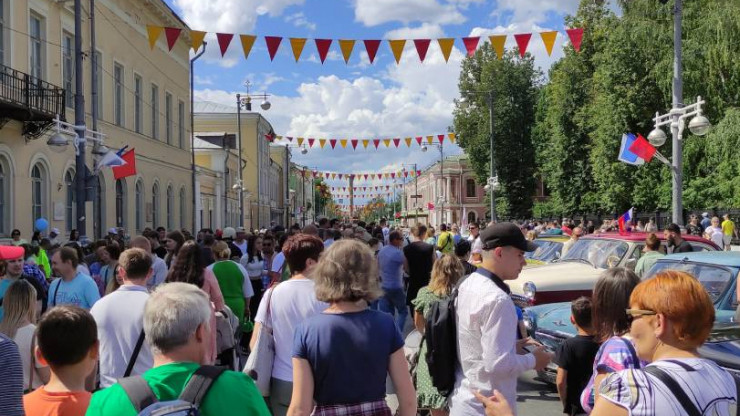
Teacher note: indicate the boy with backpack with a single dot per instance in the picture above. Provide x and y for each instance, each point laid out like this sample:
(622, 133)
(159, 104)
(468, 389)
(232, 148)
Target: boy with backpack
(67, 341)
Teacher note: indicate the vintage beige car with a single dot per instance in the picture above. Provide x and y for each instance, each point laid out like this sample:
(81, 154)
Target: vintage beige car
(575, 273)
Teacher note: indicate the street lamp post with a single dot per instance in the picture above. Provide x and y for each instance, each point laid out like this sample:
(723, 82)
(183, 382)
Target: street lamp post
(492, 181)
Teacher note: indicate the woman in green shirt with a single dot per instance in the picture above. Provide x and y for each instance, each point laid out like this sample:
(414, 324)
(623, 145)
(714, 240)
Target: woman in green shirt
(651, 254)
(233, 280)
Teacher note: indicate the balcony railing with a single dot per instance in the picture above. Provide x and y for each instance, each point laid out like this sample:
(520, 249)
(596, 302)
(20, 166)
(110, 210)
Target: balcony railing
(31, 100)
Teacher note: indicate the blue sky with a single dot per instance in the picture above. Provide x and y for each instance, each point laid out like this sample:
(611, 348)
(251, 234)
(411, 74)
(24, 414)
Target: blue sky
(358, 100)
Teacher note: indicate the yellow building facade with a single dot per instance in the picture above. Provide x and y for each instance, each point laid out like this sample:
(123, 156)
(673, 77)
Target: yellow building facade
(142, 102)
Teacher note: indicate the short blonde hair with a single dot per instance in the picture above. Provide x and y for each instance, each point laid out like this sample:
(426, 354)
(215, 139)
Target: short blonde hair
(445, 274)
(221, 250)
(347, 271)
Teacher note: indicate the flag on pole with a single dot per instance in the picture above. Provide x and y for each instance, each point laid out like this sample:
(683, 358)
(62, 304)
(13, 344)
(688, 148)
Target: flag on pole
(625, 154)
(110, 159)
(129, 169)
(642, 148)
(430, 206)
(624, 221)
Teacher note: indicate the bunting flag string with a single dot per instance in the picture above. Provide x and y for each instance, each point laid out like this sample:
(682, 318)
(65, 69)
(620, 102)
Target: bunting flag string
(396, 141)
(397, 46)
(365, 176)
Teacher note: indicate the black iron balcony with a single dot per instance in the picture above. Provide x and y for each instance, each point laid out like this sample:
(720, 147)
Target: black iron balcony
(30, 100)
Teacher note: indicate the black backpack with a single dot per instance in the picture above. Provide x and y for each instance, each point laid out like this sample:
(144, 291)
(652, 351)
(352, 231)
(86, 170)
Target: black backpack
(440, 335)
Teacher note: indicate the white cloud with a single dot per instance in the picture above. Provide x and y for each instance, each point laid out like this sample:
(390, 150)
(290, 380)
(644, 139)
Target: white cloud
(376, 12)
(299, 20)
(529, 12)
(203, 80)
(425, 31)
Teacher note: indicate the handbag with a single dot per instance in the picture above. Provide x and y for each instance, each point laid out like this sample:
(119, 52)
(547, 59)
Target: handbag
(261, 358)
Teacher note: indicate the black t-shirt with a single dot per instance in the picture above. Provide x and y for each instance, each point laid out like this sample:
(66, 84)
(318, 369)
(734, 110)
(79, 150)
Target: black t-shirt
(576, 356)
(684, 247)
(161, 252)
(420, 256)
(694, 230)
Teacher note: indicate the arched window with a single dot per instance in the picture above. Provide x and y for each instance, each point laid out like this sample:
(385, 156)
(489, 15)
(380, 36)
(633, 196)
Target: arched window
(69, 183)
(120, 203)
(4, 197)
(471, 217)
(155, 205)
(139, 206)
(470, 188)
(170, 208)
(183, 208)
(39, 192)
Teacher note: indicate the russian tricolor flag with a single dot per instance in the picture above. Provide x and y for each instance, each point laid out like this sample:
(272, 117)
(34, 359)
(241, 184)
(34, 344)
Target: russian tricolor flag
(625, 219)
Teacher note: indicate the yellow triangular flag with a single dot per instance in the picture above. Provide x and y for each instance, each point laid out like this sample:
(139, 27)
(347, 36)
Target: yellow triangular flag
(322, 142)
(397, 48)
(497, 43)
(297, 45)
(154, 32)
(452, 137)
(346, 45)
(548, 38)
(445, 44)
(430, 139)
(333, 175)
(365, 143)
(387, 142)
(343, 142)
(300, 141)
(278, 138)
(408, 141)
(247, 43)
(386, 174)
(197, 39)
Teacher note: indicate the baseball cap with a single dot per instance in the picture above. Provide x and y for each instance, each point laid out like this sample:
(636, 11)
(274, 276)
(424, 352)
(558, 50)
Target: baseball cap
(705, 214)
(11, 252)
(241, 230)
(505, 234)
(112, 230)
(229, 232)
(673, 228)
(54, 231)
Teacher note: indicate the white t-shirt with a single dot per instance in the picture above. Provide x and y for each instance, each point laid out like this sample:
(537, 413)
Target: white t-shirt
(23, 339)
(120, 319)
(242, 246)
(293, 302)
(277, 263)
(254, 268)
(159, 267)
(716, 235)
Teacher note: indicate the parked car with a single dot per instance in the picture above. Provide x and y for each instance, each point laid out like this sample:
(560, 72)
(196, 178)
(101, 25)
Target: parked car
(717, 271)
(548, 250)
(575, 273)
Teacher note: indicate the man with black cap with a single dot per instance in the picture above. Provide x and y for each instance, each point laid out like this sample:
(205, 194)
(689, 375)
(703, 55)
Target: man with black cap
(487, 324)
(676, 244)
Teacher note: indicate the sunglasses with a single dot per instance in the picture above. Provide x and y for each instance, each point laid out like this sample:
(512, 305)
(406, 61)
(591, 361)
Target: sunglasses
(633, 314)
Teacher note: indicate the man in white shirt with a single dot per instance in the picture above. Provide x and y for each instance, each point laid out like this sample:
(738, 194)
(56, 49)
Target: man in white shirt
(240, 240)
(386, 231)
(159, 267)
(120, 320)
(487, 324)
(574, 236)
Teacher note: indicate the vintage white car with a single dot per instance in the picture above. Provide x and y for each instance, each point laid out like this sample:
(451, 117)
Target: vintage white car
(575, 273)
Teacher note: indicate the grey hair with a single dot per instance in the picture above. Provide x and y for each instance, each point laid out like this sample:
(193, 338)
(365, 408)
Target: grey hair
(172, 314)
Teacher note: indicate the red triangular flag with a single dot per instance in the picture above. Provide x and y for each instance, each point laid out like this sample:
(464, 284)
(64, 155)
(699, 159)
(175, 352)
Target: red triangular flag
(642, 148)
(340, 177)
(322, 45)
(441, 138)
(576, 36)
(224, 39)
(376, 142)
(172, 33)
(129, 169)
(333, 142)
(371, 46)
(522, 40)
(422, 45)
(366, 176)
(418, 140)
(470, 44)
(405, 174)
(418, 173)
(354, 143)
(396, 142)
(273, 43)
(310, 142)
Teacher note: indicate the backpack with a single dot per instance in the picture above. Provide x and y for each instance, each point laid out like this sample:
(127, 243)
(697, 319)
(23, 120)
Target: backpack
(228, 333)
(440, 335)
(187, 404)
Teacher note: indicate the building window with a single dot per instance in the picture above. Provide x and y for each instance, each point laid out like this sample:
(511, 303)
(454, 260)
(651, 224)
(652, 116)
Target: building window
(120, 203)
(69, 183)
(170, 208)
(181, 124)
(155, 112)
(471, 217)
(470, 188)
(118, 94)
(3, 50)
(4, 192)
(68, 69)
(37, 46)
(183, 208)
(168, 117)
(99, 86)
(39, 191)
(138, 108)
(139, 200)
(155, 205)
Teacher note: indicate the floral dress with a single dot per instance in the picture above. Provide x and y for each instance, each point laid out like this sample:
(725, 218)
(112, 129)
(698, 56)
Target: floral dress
(427, 395)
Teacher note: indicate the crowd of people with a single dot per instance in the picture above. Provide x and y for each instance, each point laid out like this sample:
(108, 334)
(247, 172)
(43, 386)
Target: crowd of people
(129, 323)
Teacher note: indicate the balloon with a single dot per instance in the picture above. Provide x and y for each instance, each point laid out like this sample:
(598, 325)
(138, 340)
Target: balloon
(41, 224)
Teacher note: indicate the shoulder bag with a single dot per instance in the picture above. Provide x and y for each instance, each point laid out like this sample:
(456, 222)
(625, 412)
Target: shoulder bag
(261, 358)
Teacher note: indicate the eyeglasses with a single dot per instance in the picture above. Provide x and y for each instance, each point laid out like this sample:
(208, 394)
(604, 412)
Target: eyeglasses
(633, 314)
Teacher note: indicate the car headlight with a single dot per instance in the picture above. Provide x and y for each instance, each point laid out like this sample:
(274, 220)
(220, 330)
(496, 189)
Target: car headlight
(529, 290)
(530, 322)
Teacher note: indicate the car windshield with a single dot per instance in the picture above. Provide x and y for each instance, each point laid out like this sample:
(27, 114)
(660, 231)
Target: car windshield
(547, 251)
(715, 279)
(600, 253)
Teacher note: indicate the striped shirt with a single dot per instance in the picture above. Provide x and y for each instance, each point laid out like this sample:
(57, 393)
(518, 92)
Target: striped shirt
(11, 378)
(707, 385)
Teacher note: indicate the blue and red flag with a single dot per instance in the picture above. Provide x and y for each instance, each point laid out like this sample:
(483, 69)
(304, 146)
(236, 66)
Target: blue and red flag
(623, 221)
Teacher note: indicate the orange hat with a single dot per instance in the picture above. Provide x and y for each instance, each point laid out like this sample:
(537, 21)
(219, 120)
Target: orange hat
(11, 252)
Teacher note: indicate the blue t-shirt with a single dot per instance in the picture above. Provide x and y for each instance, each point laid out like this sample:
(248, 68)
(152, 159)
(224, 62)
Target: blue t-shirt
(81, 291)
(4, 284)
(348, 353)
(390, 259)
